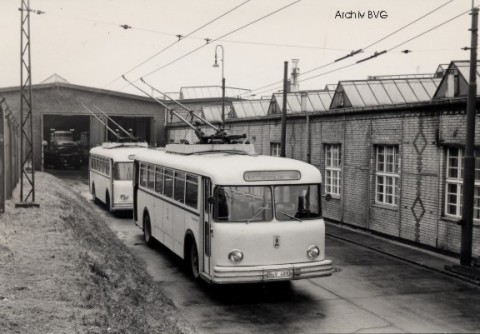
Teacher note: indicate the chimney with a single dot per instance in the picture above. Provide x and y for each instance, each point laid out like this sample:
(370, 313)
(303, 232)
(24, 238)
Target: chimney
(294, 77)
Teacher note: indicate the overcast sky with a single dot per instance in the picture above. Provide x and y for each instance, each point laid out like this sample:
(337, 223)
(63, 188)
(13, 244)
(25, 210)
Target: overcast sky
(81, 40)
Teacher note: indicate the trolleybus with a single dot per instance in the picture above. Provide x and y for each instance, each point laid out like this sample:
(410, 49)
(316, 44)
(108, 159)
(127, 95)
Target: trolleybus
(111, 173)
(232, 215)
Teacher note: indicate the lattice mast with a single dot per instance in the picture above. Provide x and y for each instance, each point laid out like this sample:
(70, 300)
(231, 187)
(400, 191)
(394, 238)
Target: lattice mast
(27, 167)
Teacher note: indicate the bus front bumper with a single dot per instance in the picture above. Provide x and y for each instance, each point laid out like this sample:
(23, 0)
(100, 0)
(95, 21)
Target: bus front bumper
(228, 275)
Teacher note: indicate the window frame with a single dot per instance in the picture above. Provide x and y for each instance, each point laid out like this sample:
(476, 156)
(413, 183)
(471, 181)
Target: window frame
(330, 170)
(458, 183)
(385, 175)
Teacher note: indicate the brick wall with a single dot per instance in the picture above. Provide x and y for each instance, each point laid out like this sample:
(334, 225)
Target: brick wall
(422, 138)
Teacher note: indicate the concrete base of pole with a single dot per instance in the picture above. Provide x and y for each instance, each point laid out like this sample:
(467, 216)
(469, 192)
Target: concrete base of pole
(27, 205)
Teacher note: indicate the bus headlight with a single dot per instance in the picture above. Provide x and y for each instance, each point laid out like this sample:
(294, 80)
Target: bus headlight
(124, 196)
(313, 252)
(235, 256)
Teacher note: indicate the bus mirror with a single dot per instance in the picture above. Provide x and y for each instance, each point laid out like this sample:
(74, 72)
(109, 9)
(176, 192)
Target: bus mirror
(328, 197)
(211, 200)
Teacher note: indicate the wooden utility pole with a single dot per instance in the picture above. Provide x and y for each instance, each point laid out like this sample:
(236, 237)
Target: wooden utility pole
(469, 158)
(284, 110)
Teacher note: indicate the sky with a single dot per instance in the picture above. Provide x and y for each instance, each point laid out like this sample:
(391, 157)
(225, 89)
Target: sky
(82, 41)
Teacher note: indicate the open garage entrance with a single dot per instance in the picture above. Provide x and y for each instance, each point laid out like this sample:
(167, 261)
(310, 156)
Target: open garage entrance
(72, 127)
(141, 127)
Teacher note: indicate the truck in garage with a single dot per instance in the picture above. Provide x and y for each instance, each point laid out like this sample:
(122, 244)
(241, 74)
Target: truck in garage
(61, 150)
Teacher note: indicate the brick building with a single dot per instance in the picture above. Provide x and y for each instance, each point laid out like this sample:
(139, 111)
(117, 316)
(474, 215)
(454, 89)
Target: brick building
(390, 150)
(60, 105)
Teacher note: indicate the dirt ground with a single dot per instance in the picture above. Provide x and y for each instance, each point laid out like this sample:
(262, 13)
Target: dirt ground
(63, 271)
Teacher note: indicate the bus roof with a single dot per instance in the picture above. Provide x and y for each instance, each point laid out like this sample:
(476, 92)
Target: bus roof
(228, 168)
(118, 153)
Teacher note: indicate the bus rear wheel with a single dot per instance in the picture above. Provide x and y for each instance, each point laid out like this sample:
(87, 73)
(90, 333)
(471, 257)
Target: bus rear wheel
(94, 195)
(192, 260)
(108, 204)
(147, 230)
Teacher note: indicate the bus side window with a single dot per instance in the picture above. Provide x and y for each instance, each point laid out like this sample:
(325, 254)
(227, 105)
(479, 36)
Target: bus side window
(206, 194)
(143, 175)
(191, 191)
(151, 177)
(159, 180)
(168, 183)
(179, 192)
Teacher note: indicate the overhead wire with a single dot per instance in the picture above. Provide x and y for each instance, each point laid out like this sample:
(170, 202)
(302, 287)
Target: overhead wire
(361, 49)
(218, 38)
(398, 45)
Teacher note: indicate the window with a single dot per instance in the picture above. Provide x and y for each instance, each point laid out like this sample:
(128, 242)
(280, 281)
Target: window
(387, 175)
(332, 169)
(275, 149)
(191, 191)
(297, 202)
(151, 177)
(454, 183)
(143, 175)
(124, 171)
(168, 183)
(179, 192)
(159, 180)
(243, 204)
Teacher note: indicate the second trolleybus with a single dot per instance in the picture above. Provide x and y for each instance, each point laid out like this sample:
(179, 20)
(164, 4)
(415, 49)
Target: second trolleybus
(232, 215)
(111, 173)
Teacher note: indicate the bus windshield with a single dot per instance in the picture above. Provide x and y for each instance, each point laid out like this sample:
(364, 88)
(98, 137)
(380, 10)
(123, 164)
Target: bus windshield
(243, 204)
(124, 171)
(297, 202)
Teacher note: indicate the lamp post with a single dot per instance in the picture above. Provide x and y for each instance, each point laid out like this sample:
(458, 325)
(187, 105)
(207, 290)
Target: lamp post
(223, 80)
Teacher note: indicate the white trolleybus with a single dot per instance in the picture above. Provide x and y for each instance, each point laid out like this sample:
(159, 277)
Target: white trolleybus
(111, 173)
(232, 215)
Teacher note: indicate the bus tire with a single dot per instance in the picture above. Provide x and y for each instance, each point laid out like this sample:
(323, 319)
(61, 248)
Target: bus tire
(147, 230)
(192, 259)
(108, 204)
(94, 195)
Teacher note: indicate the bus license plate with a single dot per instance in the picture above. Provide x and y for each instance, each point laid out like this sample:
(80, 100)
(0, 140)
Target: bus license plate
(279, 274)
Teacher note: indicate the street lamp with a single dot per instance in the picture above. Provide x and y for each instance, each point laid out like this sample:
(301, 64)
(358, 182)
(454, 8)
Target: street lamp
(223, 81)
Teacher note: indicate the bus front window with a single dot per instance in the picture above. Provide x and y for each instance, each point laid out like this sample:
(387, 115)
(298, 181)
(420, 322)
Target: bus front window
(297, 202)
(124, 171)
(243, 204)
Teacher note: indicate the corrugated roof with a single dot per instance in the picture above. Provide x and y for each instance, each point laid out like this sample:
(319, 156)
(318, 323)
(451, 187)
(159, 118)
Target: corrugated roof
(205, 92)
(315, 101)
(249, 108)
(464, 70)
(384, 92)
(214, 113)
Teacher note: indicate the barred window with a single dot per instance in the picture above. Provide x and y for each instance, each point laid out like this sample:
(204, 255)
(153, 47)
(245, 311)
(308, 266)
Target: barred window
(332, 169)
(387, 175)
(454, 183)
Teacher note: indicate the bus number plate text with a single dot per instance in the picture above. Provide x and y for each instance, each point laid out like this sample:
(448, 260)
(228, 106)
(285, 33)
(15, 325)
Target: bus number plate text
(279, 274)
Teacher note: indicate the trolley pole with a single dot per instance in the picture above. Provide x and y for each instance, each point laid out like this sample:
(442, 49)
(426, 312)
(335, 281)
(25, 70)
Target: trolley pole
(469, 160)
(284, 110)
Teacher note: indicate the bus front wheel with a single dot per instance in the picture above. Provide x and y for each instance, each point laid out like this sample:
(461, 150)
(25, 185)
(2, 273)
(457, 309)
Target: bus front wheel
(192, 260)
(147, 230)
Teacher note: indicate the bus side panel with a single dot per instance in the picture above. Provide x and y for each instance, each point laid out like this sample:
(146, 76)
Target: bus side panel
(168, 211)
(101, 185)
(145, 203)
(192, 223)
(158, 220)
(178, 229)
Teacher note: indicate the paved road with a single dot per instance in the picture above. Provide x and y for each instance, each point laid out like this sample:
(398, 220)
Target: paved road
(371, 293)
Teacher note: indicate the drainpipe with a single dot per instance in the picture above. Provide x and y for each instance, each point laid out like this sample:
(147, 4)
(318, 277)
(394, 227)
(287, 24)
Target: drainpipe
(303, 103)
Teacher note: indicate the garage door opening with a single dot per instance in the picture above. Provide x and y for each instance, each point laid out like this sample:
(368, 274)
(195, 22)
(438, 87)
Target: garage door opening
(139, 126)
(65, 140)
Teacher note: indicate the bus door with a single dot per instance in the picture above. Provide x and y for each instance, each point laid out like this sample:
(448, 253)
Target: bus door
(207, 224)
